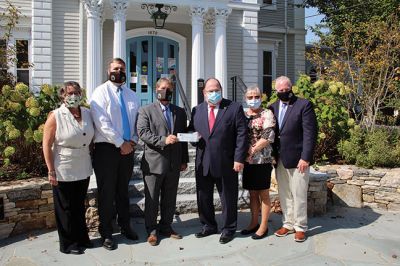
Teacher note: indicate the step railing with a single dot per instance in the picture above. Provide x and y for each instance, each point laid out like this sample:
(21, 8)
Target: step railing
(238, 85)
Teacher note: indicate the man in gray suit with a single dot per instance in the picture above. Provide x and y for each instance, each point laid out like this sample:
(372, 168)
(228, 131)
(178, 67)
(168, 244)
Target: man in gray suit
(163, 159)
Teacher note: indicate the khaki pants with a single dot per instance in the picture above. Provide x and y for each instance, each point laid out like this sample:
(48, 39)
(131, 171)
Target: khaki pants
(292, 189)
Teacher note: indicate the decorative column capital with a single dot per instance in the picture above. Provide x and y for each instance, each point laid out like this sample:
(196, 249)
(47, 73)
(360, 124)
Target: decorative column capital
(221, 14)
(94, 8)
(197, 13)
(119, 7)
(209, 22)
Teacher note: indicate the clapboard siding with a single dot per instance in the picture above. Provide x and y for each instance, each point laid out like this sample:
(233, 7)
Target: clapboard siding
(276, 18)
(24, 6)
(234, 41)
(66, 43)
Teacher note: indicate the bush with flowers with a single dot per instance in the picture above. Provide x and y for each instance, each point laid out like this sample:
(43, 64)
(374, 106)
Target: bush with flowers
(22, 116)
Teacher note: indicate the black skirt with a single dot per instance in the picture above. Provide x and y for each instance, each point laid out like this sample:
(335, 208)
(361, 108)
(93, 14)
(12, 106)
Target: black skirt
(257, 176)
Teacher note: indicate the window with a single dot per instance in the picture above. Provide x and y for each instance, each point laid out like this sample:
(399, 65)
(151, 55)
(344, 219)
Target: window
(267, 73)
(3, 58)
(22, 61)
(268, 4)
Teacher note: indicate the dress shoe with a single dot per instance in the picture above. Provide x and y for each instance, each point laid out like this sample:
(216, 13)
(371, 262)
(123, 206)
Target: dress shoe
(171, 234)
(248, 232)
(74, 249)
(225, 239)
(283, 232)
(300, 236)
(152, 239)
(109, 244)
(129, 233)
(204, 234)
(257, 237)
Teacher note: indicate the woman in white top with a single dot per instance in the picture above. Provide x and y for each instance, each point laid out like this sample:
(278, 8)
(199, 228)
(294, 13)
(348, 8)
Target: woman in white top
(67, 135)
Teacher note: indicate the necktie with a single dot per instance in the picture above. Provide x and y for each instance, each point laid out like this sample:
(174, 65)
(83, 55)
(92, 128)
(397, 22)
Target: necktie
(282, 114)
(124, 114)
(166, 115)
(211, 118)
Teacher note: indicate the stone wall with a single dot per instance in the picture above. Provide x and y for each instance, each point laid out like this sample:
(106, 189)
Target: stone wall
(27, 205)
(358, 187)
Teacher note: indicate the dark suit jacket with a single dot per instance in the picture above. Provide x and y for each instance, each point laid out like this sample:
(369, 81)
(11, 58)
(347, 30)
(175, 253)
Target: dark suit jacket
(152, 130)
(217, 151)
(297, 137)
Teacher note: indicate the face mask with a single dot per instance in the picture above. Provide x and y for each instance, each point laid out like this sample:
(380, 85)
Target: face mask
(117, 77)
(164, 95)
(285, 96)
(72, 101)
(254, 103)
(214, 97)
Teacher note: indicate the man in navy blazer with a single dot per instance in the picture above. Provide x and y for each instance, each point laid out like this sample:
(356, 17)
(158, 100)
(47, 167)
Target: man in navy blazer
(220, 155)
(296, 134)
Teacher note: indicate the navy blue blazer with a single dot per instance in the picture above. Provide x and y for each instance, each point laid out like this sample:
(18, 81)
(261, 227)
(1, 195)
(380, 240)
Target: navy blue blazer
(297, 137)
(227, 143)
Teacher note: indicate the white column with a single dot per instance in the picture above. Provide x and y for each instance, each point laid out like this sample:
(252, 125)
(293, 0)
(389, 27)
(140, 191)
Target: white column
(119, 9)
(209, 44)
(197, 14)
(220, 48)
(94, 10)
(41, 43)
(250, 48)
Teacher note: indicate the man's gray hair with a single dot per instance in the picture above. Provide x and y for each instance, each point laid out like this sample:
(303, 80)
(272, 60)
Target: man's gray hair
(283, 79)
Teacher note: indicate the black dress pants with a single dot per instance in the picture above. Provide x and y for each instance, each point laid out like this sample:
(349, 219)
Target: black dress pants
(228, 190)
(69, 208)
(113, 172)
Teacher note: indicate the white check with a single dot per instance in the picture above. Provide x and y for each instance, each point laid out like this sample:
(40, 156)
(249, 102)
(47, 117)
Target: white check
(188, 137)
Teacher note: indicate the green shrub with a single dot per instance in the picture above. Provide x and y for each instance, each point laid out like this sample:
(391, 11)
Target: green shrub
(22, 116)
(328, 99)
(380, 147)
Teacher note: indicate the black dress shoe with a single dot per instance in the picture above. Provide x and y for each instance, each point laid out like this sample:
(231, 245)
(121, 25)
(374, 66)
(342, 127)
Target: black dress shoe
(251, 231)
(74, 250)
(225, 239)
(129, 233)
(256, 237)
(109, 244)
(204, 234)
(87, 244)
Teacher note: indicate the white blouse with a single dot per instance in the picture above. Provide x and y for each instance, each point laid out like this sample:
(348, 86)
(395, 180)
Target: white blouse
(71, 154)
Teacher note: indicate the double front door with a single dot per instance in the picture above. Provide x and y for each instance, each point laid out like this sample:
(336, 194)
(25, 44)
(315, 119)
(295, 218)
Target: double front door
(148, 59)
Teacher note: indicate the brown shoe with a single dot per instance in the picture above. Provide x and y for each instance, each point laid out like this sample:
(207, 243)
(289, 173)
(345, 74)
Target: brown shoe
(152, 239)
(300, 236)
(171, 234)
(283, 232)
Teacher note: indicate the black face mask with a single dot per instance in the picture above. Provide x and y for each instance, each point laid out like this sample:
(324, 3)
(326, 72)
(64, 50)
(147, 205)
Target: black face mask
(164, 95)
(285, 96)
(117, 77)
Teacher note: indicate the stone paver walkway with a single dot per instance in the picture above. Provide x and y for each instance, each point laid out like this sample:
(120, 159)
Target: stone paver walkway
(343, 236)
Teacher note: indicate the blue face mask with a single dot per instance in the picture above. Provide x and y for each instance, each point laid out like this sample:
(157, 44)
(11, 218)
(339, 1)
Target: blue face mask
(254, 103)
(214, 97)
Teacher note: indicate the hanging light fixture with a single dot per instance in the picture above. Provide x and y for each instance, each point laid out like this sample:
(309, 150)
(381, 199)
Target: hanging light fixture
(160, 15)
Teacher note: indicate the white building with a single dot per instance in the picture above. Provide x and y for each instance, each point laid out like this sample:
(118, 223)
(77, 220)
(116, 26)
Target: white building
(74, 40)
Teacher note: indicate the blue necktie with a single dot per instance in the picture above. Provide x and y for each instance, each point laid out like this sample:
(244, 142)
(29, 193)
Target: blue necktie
(282, 114)
(166, 115)
(125, 119)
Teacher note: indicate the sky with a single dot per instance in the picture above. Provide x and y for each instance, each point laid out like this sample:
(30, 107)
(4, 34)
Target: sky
(310, 37)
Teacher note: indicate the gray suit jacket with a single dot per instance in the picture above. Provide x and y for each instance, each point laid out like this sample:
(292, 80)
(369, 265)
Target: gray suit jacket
(152, 130)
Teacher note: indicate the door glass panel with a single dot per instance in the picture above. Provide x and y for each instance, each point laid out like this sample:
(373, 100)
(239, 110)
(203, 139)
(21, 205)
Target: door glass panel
(159, 59)
(132, 65)
(144, 66)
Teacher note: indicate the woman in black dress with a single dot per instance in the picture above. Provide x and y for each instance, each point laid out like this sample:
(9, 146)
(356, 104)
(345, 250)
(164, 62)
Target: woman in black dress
(258, 166)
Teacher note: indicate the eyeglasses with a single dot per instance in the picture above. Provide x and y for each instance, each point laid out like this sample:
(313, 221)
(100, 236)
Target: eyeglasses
(253, 97)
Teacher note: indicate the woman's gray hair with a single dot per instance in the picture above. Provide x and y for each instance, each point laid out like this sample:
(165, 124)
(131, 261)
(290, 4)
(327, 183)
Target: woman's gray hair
(252, 88)
(63, 89)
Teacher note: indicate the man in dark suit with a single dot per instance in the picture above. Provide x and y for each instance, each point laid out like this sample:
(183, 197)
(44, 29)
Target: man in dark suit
(163, 159)
(296, 134)
(220, 154)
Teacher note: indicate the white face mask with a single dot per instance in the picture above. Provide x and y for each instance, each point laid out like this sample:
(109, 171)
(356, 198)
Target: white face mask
(214, 97)
(253, 103)
(72, 101)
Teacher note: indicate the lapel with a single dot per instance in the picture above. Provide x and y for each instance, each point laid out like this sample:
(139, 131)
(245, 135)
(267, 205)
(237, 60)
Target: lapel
(220, 114)
(202, 110)
(287, 114)
(160, 111)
